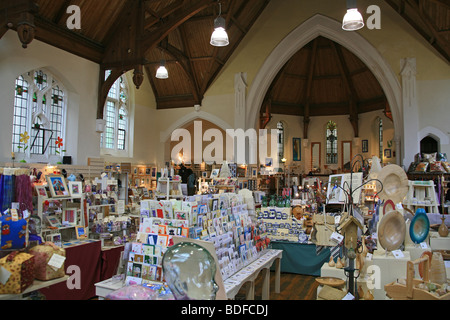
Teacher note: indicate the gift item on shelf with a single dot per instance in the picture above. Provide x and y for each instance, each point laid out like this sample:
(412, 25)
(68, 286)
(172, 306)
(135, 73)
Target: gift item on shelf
(20, 272)
(48, 261)
(14, 231)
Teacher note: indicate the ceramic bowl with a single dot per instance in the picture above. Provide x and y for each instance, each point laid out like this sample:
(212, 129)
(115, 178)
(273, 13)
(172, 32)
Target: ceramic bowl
(419, 227)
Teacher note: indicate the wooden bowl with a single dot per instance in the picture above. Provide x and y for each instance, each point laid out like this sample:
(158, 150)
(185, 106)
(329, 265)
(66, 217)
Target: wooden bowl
(330, 281)
(392, 231)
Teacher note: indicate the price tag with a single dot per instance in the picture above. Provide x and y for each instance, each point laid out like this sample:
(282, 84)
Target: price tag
(14, 215)
(423, 245)
(337, 237)
(4, 275)
(337, 219)
(349, 296)
(398, 254)
(56, 261)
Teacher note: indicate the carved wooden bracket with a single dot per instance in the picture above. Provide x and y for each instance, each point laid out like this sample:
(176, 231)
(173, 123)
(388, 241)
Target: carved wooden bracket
(19, 15)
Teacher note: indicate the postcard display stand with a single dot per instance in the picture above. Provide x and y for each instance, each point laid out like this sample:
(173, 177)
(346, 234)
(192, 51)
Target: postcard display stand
(221, 220)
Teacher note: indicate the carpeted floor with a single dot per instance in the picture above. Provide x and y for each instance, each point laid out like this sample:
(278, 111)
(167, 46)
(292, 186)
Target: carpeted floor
(292, 287)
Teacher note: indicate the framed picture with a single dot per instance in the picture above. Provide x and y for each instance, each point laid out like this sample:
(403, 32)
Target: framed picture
(204, 174)
(57, 186)
(365, 146)
(55, 238)
(75, 188)
(41, 191)
(269, 162)
(148, 171)
(69, 216)
(154, 172)
(53, 221)
(387, 153)
(215, 173)
(254, 172)
(80, 232)
(296, 149)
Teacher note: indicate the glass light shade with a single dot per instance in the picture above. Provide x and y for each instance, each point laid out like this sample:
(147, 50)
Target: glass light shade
(353, 20)
(219, 38)
(162, 72)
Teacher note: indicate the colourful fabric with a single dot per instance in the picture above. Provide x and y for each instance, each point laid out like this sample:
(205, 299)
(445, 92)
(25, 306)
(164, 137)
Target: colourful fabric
(42, 255)
(6, 192)
(13, 233)
(21, 267)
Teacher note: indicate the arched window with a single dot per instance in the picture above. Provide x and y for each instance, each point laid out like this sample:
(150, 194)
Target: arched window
(280, 128)
(116, 112)
(39, 116)
(332, 154)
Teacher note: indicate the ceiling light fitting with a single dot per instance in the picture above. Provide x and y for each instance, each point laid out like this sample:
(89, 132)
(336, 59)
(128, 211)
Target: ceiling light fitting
(219, 38)
(353, 20)
(162, 72)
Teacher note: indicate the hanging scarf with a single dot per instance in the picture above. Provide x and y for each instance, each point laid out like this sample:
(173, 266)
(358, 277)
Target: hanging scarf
(6, 192)
(24, 193)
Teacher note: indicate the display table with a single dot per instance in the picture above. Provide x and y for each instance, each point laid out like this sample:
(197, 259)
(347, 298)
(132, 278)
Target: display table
(301, 258)
(248, 275)
(389, 269)
(102, 289)
(233, 284)
(85, 258)
(110, 261)
(439, 243)
(36, 286)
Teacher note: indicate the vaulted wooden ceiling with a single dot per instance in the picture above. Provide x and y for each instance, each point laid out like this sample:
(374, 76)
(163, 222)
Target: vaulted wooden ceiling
(324, 79)
(123, 35)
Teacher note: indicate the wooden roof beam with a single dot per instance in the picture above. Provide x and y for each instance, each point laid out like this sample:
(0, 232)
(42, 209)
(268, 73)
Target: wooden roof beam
(353, 96)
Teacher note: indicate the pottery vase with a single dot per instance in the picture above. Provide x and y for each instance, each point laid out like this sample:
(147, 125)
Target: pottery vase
(443, 229)
(368, 295)
(437, 270)
(364, 247)
(331, 262)
(339, 263)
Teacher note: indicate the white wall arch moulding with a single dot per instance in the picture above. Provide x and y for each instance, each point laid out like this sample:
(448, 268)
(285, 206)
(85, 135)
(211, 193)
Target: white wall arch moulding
(435, 134)
(200, 115)
(319, 25)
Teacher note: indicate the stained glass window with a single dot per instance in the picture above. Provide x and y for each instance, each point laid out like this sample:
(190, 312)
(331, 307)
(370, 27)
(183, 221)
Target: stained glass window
(332, 154)
(280, 128)
(39, 108)
(380, 138)
(116, 116)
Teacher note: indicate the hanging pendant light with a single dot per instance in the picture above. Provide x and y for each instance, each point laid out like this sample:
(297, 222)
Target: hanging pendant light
(162, 72)
(219, 38)
(353, 20)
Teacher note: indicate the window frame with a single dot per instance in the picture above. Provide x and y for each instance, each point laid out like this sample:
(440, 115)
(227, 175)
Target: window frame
(33, 110)
(114, 97)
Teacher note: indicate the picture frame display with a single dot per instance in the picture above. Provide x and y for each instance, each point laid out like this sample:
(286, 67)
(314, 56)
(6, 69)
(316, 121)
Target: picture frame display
(57, 186)
(296, 149)
(365, 146)
(41, 191)
(75, 188)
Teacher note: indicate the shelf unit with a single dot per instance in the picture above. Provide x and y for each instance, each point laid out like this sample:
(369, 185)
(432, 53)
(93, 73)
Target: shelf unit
(421, 194)
(65, 230)
(169, 189)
